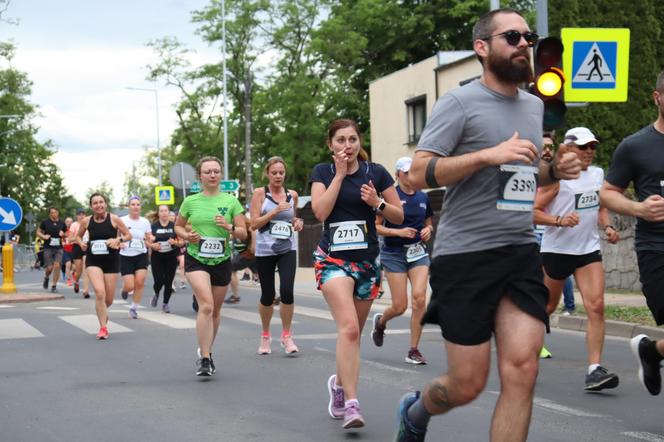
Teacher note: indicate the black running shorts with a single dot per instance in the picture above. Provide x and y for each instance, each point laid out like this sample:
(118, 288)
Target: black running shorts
(220, 274)
(107, 263)
(467, 289)
(76, 252)
(130, 264)
(561, 266)
(651, 270)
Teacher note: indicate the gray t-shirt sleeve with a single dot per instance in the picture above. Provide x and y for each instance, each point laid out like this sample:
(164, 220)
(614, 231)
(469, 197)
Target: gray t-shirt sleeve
(444, 129)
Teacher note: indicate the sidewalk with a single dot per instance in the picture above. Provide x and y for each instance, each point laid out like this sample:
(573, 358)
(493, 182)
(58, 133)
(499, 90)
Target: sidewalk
(305, 283)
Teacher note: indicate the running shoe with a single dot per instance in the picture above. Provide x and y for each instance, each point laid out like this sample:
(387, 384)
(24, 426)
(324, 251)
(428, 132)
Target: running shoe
(77, 288)
(649, 368)
(204, 367)
(124, 294)
(545, 354)
(198, 353)
(133, 314)
(336, 406)
(288, 345)
(103, 334)
(154, 300)
(69, 282)
(378, 332)
(194, 303)
(406, 431)
(352, 416)
(166, 308)
(277, 300)
(86, 295)
(264, 348)
(45, 283)
(182, 284)
(600, 379)
(54, 289)
(233, 299)
(415, 357)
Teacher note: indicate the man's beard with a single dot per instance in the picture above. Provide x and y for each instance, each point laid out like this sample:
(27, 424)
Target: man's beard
(508, 71)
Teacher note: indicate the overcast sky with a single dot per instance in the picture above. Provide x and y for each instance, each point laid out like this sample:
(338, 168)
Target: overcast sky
(81, 55)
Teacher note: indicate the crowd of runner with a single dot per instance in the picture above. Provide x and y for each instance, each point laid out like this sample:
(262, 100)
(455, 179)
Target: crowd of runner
(507, 187)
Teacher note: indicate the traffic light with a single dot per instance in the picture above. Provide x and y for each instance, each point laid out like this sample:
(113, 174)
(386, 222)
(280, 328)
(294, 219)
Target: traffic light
(550, 80)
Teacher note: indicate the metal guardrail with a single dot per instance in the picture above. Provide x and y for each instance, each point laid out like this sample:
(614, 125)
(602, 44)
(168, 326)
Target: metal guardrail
(24, 257)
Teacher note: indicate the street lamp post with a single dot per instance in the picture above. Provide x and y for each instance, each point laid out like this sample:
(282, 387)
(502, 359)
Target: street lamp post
(223, 50)
(156, 102)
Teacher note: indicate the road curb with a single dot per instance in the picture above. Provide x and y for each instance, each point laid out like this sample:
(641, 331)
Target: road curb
(29, 297)
(613, 328)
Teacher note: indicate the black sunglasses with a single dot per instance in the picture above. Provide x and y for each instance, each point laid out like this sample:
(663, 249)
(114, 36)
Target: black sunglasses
(592, 146)
(513, 37)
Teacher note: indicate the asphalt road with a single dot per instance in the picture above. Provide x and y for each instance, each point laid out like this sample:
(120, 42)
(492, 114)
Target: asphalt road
(57, 383)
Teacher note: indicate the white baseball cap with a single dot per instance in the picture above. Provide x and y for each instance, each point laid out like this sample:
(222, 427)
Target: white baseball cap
(579, 136)
(403, 164)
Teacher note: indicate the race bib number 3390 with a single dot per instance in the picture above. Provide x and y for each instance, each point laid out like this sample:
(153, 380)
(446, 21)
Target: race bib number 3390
(517, 187)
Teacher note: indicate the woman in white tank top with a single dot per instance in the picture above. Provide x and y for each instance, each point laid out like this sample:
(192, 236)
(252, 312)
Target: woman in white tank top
(570, 245)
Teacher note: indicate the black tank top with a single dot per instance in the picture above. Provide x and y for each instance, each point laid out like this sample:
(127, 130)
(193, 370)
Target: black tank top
(102, 230)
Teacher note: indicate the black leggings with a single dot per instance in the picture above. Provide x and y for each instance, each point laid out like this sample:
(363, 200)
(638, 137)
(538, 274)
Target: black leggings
(266, 266)
(164, 266)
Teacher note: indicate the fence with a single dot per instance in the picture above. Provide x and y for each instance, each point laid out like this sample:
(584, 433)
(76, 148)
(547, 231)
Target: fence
(24, 257)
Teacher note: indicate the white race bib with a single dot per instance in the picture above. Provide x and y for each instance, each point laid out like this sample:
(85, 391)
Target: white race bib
(518, 185)
(415, 252)
(210, 247)
(54, 242)
(587, 200)
(281, 229)
(99, 247)
(348, 235)
(165, 246)
(136, 245)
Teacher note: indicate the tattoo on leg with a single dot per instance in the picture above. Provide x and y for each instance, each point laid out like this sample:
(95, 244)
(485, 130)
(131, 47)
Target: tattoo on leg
(438, 395)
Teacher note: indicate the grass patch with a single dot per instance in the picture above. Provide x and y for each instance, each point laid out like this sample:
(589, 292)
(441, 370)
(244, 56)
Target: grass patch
(637, 315)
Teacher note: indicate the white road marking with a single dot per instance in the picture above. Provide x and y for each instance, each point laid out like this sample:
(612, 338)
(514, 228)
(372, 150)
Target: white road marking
(240, 315)
(6, 306)
(169, 320)
(57, 308)
(89, 324)
(398, 331)
(564, 409)
(374, 364)
(313, 312)
(642, 435)
(17, 328)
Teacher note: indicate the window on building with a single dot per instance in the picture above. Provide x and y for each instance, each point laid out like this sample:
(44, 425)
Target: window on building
(417, 117)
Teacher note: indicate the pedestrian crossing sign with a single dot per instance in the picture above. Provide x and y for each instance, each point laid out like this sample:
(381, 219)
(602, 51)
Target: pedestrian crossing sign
(596, 64)
(164, 195)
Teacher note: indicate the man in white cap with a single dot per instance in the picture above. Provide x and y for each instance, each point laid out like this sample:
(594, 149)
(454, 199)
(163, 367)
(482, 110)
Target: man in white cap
(570, 245)
(638, 160)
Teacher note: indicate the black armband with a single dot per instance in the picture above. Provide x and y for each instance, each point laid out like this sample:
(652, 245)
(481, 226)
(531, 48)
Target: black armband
(430, 175)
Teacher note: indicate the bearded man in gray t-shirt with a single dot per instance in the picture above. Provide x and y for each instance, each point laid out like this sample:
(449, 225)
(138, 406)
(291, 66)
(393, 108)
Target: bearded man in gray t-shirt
(483, 142)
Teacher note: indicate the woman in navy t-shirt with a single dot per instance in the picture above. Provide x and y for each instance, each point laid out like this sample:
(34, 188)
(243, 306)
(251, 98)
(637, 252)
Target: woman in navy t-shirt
(344, 196)
(405, 258)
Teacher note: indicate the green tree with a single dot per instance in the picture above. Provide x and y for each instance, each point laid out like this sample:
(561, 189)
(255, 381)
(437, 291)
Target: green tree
(22, 157)
(614, 121)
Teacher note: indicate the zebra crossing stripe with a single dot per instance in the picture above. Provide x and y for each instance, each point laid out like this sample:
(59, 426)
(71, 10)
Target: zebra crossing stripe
(90, 325)
(16, 328)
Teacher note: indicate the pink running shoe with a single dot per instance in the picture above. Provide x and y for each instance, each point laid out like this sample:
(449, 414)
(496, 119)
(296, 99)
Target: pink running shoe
(103, 333)
(352, 416)
(264, 348)
(288, 345)
(336, 406)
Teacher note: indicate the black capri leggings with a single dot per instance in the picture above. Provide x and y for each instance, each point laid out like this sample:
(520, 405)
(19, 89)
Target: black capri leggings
(164, 266)
(266, 266)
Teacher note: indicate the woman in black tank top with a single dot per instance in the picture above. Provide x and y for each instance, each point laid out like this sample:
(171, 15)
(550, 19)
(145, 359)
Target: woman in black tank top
(102, 262)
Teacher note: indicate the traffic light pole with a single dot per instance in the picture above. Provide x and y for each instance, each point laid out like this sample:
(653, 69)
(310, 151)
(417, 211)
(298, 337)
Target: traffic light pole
(542, 9)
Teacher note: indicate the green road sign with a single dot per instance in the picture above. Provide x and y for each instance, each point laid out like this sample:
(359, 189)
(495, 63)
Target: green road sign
(195, 187)
(229, 185)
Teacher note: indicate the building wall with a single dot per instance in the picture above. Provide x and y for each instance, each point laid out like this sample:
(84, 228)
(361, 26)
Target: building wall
(389, 112)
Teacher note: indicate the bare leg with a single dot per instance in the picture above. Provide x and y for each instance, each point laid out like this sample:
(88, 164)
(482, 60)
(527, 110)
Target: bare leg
(419, 277)
(590, 280)
(200, 283)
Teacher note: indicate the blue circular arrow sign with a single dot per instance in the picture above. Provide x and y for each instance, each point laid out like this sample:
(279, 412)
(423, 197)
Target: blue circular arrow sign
(11, 214)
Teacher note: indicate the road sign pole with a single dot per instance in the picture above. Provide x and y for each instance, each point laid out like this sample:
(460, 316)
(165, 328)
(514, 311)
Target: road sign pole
(8, 287)
(184, 184)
